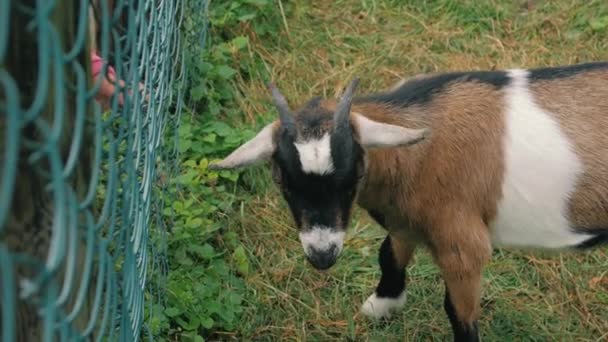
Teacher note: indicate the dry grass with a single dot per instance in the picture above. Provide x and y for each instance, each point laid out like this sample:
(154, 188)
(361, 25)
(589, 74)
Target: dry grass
(527, 296)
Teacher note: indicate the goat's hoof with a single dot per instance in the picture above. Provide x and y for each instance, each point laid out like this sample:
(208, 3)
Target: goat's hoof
(382, 307)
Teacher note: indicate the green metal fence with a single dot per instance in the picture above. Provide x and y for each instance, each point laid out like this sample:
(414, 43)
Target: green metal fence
(81, 236)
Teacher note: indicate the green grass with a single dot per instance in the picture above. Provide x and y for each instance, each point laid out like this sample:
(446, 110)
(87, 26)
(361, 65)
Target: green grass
(527, 296)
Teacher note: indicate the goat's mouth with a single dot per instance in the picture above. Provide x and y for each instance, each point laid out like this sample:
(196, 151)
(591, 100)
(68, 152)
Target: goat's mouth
(322, 246)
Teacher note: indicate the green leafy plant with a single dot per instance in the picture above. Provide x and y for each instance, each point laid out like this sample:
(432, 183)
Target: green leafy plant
(204, 287)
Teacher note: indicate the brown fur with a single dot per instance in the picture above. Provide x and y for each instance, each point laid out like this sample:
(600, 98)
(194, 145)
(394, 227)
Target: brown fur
(444, 191)
(403, 249)
(461, 256)
(463, 191)
(434, 174)
(580, 104)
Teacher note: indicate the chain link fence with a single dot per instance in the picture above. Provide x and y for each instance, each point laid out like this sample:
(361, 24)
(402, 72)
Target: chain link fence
(90, 99)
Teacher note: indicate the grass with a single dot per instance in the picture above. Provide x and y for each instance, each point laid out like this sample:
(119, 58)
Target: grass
(527, 296)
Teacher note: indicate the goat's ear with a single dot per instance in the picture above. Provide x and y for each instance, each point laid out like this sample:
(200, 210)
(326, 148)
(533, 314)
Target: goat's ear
(377, 134)
(259, 148)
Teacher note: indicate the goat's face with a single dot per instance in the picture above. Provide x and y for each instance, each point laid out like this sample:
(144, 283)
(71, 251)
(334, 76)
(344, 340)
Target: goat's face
(318, 168)
(318, 161)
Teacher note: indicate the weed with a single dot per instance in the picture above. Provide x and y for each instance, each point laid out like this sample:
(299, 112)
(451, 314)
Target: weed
(204, 287)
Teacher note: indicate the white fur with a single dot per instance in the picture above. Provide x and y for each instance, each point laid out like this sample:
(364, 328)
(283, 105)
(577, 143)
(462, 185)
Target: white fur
(541, 171)
(378, 134)
(321, 239)
(382, 307)
(315, 155)
(258, 148)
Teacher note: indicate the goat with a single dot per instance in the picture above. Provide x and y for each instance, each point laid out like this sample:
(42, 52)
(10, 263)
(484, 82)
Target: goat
(461, 162)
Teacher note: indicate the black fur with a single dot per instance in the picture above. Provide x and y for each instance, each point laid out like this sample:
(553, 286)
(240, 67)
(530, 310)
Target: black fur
(312, 118)
(550, 73)
(421, 91)
(599, 237)
(460, 330)
(392, 280)
(323, 199)
(378, 217)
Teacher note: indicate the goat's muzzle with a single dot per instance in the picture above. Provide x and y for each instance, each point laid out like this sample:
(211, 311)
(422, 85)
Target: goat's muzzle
(322, 245)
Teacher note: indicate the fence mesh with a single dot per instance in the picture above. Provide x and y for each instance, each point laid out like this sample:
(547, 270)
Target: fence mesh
(83, 161)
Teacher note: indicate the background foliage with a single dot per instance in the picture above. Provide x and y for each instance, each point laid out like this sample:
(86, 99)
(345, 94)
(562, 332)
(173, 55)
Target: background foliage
(206, 262)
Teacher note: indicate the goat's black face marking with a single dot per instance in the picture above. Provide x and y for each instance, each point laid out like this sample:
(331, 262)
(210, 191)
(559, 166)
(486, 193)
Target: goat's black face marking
(320, 197)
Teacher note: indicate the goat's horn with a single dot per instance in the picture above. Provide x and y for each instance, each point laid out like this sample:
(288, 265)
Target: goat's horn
(279, 100)
(342, 113)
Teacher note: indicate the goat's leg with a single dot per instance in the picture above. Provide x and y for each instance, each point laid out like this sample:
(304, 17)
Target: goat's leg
(394, 256)
(463, 322)
(461, 258)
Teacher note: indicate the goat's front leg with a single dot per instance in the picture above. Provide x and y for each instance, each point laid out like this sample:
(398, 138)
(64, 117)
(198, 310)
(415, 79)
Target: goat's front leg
(461, 256)
(394, 256)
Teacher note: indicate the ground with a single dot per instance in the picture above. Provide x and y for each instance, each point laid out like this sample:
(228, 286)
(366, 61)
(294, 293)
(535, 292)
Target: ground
(528, 296)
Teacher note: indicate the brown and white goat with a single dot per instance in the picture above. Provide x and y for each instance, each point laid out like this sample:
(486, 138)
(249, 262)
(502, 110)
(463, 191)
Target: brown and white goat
(459, 162)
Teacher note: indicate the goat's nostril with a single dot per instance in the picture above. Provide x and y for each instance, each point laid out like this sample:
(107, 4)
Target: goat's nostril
(323, 259)
(332, 250)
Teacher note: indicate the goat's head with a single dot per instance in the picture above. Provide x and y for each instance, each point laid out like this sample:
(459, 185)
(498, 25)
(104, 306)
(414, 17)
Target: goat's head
(318, 161)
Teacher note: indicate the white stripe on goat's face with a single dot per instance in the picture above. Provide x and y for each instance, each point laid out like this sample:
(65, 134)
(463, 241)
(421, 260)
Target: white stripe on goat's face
(541, 171)
(315, 155)
(322, 245)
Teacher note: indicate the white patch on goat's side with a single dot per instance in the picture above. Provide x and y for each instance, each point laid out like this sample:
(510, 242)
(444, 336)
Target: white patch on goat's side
(321, 239)
(382, 307)
(315, 155)
(541, 171)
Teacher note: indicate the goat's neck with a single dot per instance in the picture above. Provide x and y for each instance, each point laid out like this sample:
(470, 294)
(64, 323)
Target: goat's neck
(390, 170)
(388, 178)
